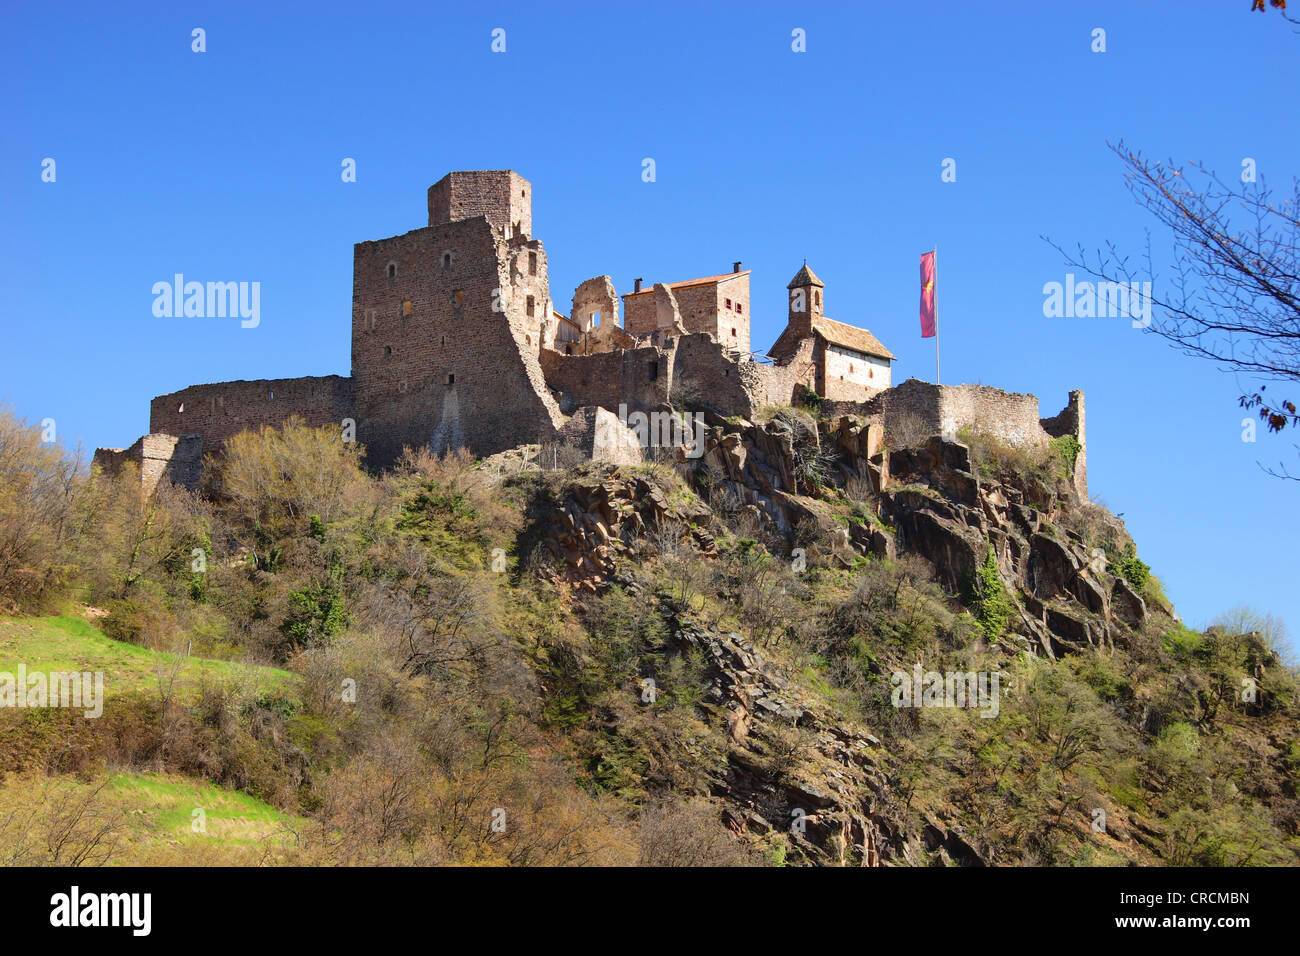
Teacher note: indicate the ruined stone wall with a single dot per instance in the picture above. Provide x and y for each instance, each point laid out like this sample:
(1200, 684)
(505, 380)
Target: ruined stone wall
(693, 372)
(911, 407)
(639, 378)
(776, 384)
(639, 313)
(503, 196)
(1072, 420)
(220, 410)
(1009, 416)
(704, 376)
(449, 370)
(594, 297)
(530, 288)
(156, 457)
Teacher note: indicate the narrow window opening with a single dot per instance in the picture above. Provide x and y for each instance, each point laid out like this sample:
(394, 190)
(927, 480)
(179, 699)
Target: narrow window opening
(529, 305)
(392, 270)
(388, 350)
(740, 307)
(406, 307)
(595, 319)
(458, 298)
(447, 259)
(532, 263)
(451, 378)
(653, 371)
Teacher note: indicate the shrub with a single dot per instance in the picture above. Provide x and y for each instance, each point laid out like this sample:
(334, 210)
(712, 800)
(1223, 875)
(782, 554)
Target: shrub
(1133, 568)
(993, 607)
(1066, 449)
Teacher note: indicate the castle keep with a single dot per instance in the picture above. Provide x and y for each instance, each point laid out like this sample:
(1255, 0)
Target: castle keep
(457, 342)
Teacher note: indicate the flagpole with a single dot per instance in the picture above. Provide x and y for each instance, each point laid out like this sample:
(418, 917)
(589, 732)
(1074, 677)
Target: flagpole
(936, 313)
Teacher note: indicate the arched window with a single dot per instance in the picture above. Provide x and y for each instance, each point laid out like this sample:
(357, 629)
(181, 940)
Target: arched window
(392, 270)
(448, 257)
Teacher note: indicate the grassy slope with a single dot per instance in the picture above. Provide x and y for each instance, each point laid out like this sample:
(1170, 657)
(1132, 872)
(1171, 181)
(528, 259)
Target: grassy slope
(153, 819)
(156, 810)
(70, 643)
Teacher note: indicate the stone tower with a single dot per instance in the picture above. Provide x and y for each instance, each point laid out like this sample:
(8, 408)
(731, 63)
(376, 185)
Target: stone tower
(805, 301)
(501, 196)
(447, 322)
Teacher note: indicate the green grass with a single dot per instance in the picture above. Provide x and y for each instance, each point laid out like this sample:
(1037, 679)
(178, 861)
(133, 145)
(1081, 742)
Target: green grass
(142, 819)
(72, 644)
(165, 805)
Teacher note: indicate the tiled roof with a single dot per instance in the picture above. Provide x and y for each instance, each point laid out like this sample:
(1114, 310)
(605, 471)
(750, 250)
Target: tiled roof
(689, 282)
(805, 276)
(850, 336)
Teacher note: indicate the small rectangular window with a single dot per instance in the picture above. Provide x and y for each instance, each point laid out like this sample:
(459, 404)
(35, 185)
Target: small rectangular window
(740, 307)
(532, 263)
(529, 305)
(728, 303)
(653, 371)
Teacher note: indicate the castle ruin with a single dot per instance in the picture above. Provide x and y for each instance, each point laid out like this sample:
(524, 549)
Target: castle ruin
(457, 342)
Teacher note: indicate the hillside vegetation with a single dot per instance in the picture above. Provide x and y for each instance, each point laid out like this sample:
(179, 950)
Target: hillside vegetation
(462, 662)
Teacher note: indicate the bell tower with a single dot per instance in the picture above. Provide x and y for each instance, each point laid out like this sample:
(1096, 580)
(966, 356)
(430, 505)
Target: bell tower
(805, 300)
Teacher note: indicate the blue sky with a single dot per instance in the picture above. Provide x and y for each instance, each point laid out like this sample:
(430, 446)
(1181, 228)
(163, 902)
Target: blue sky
(225, 165)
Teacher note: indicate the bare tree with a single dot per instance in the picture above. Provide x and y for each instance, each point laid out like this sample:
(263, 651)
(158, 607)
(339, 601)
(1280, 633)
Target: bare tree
(1233, 292)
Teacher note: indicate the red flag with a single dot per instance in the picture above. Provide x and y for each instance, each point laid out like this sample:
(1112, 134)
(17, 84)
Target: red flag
(927, 296)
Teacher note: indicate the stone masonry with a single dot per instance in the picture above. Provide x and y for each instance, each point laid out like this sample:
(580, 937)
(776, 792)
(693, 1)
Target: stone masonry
(456, 342)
